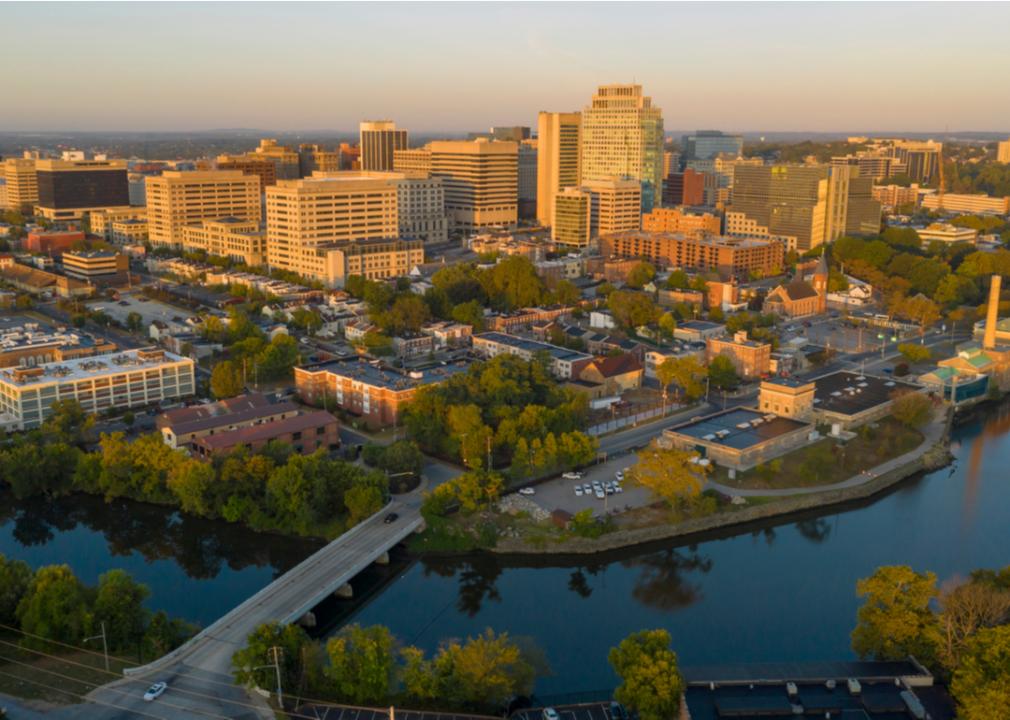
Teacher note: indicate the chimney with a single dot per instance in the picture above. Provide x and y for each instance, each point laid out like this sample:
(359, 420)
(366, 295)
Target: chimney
(992, 313)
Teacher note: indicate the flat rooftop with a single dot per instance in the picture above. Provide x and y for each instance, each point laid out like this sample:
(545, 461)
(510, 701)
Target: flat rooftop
(701, 325)
(378, 375)
(739, 428)
(29, 335)
(532, 346)
(849, 393)
(91, 367)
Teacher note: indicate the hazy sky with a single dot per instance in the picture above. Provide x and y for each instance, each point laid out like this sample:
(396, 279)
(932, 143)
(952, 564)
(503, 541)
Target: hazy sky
(456, 66)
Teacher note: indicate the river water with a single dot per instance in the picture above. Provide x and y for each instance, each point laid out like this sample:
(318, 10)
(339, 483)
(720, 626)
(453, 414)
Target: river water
(781, 591)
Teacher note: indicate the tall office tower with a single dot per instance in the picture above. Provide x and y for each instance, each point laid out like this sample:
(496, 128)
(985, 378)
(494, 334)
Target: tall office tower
(22, 184)
(616, 205)
(622, 136)
(863, 216)
(285, 159)
(379, 139)
(558, 137)
(571, 225)
(481, 180)
(706, 144)
(251, 164)
(413, 160)
(920, 159)
(70, 188)
(176, 199)
(871, 164)
(671, 163)
(421, 209)
(528, 179)
(684, 188)
(1003, 151)
(312, 158)
(306, 218)
(788, 201)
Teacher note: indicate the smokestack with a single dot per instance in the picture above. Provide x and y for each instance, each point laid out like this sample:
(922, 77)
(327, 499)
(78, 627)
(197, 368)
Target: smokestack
(992, 313)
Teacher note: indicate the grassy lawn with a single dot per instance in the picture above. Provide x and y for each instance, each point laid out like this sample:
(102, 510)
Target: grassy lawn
(829, 461)
(60, 679)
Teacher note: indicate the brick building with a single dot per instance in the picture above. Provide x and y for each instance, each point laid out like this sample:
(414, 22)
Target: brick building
(728, 256)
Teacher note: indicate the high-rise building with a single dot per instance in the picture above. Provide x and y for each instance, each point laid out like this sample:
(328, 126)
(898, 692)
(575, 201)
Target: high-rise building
(684, 188)
(22, 184)
(307, 219)
(706, 144)
(1003, 151)
(616, 206)
(176, 199)
(251, 164)
(622, 136)
(557, 159)
(528, 179)
(421, 209)
(920, 159)
(284, 158)
(481, 180)
(379, 140)
(313, 158)
(70, 188)
(863, 213)
(671, 163)
(412, 161)
(571, 225)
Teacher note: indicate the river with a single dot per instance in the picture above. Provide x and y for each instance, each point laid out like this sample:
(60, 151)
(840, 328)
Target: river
(781, 591)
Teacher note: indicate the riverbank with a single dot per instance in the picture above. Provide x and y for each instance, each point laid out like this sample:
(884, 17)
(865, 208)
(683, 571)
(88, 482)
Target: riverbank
(933, 453)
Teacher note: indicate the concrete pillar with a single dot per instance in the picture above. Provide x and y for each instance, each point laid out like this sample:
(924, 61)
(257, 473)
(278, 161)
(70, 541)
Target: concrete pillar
(308, 620)
(422, 526)
(992, 313)
(382, 559)
(345, 591)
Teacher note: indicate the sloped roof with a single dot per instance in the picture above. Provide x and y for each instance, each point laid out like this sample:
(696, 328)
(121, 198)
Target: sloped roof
(615, 365)
(795, 290)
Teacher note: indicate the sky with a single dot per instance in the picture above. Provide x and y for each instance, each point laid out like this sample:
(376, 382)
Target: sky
(819, 67)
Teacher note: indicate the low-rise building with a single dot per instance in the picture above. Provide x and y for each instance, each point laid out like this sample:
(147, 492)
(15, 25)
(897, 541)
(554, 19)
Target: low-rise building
(525, 318)
(372, 391)
(698, 330)
(617, 373)
(29, 345)
(102, 221)
(129, 232)
(52, 242)
(130, 378)
(239, 240)
(97, 267)
(678, 220)
(304, 433)
(751, 359)
(181, 426)
(972, 204)
(947, 233)
(564, 363)
(725, 255)
(412, 345)
(448, 334)
(42, 283)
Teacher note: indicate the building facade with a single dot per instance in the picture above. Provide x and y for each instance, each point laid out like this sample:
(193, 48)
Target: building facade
(176, 199)
(616, 205)
(22, 184)
(706, 144)
(972, 204)
(421, 209)
(379, 139)
(727, 256)
(558, 138)
(97, 267)
(238, 240)
(481, 180)
(673, 220)
(412, 161)
(751, 359)
(571, 224)
(68, 189)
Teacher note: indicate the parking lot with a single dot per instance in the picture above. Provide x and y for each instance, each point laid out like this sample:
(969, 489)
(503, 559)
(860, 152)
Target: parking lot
(586, 711)
(149, 310)
(559, 493)
(336, 712)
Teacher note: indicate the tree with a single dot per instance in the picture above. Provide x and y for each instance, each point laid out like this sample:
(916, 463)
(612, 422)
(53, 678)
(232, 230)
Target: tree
(966, 608)
(483, 672)
(668, 472)
(722, 373)
(640, 275)
(678, 280)
(470, 313)
(164, 634)
(134, 322)
(895, 620)
(981, 683)
(631, 309)
(687, 372)
(278, 358)
(566, 293)
(15, 578)
(362, 500)
(402, 456)
(226, 380)
(651, 683)
(918, 309)
(55, 606)
(69, 422)
(119, 603)
(252, 665)
(914, 353)
(407, 314)
(361, 663)
(912, 409)
(307, 319)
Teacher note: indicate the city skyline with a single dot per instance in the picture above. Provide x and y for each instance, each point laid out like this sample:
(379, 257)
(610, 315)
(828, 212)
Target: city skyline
(433, 67)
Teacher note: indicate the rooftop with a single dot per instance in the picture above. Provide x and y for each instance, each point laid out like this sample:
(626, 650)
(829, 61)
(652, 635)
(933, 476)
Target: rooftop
(532, 346)
(84, 368)
(30, 335)
(700, 325)
(232, 410)
(378, 375)
(267, 431)
(849, 393)
(739, 428)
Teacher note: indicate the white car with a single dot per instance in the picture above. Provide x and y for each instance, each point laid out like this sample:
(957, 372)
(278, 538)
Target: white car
(550, 714)
(600, 494)
(527, 491)
(572, 476)
(578, 491)
(619, 474)
(586, 490)
(618, 488)
(155, 691)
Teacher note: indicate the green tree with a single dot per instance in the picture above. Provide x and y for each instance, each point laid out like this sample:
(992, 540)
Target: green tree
(640, 275)
(912, 409)
(69, 422)
(119, 603)
(981, 683)
(164, 634)
(631, 309)
(226, 380)
(668, 472)
(15, 578)
(134, 322)
(722, 373)
(407, 314)
(484, 672)
(402, 456)
(55, 606)
(361, 663)
(470, 313)
(362, 501)
(678, 280)
(253, 664)
(895, 620)
(914, 352)
(278, 358)
(651, 683)
(566, 293)
(687, 372)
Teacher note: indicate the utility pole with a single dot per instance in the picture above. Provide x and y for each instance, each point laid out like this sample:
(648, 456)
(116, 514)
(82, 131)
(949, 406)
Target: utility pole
(105, 645)
(276, 652)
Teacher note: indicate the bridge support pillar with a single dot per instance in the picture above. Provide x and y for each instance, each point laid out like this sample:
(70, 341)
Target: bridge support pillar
(421, 527)
(345, 591)
(382, 559)
(308, 620)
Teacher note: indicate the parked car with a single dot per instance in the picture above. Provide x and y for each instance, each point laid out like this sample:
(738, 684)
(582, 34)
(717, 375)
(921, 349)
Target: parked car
(618, 488)
(572, 476)
(551, 714)
(527, 491)
(619, 474)
(586, 489)
(155, 691)
(600, 494)
(578, 491)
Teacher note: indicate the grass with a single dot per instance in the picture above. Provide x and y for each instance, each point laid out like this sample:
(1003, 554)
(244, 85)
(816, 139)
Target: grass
(828, 461)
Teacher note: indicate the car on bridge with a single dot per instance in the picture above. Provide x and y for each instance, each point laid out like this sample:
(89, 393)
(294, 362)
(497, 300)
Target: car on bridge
(391, 518)
(155, 691)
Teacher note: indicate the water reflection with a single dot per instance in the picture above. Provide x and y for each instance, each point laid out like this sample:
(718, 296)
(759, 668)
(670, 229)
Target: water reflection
(662, 581)
(814, 529)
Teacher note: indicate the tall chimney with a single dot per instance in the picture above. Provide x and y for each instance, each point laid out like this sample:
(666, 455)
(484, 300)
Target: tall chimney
(992, 313)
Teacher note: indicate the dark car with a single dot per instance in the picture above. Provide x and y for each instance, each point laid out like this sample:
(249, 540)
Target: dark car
(616, 711)
(392, 517)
